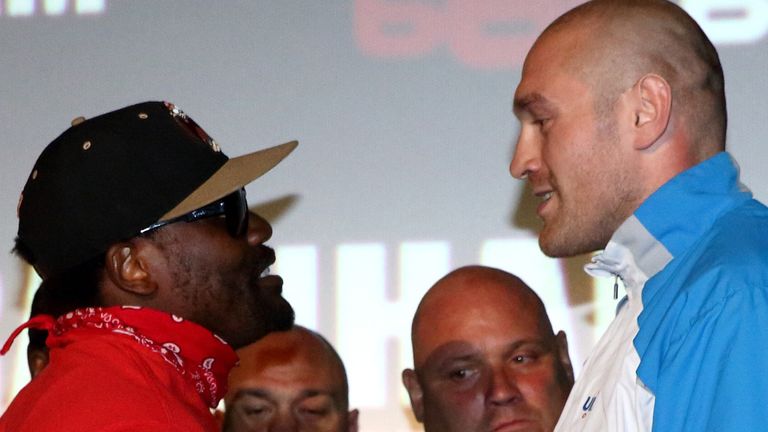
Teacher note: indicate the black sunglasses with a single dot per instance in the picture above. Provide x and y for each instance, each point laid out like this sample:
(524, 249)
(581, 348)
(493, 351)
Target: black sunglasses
(234, 207)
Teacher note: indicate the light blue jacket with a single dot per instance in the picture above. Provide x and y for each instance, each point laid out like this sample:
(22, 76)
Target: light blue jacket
(703, 330)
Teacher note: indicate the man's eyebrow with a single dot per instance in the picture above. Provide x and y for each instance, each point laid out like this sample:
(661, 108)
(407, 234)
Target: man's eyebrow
(449, 360)
(523, 102)
(334, 396)
(256, 392)
(315, 392)
(537, 343)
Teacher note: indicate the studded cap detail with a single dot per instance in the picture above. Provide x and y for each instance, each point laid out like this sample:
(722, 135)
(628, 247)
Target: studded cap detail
(177, 113)
(142, 164)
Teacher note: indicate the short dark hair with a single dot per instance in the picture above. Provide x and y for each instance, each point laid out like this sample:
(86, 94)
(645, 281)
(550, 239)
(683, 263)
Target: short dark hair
(73, 289)
(70, 289)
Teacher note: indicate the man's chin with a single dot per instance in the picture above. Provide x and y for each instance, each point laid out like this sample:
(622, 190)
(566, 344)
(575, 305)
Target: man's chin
(550, 244)
(282, 317)
(564, 246)
(274, 317)
(286, 322)
(559, 244)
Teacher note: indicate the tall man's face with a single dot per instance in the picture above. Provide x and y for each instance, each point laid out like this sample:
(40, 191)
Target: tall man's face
(485, 361)
(570, 149)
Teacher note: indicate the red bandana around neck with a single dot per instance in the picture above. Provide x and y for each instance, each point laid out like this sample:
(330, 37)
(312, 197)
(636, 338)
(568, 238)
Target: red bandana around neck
(195, 352)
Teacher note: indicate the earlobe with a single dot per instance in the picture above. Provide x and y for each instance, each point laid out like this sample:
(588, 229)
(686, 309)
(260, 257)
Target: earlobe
(127, 268)
(415, 393)
(653, 110)
(219, 415)
(352, 420)
(563, 357)
(37, 360)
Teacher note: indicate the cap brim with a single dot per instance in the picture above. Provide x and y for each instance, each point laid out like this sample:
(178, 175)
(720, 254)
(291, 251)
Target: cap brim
(233, 175)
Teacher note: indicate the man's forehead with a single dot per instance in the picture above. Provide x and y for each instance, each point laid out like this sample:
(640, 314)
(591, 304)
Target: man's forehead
(287, 362)
(553, 88)
(487, 315)
(288, 381)
(493, 328)
(279, 394)
(282, 347)
(291, 358)
(535, 79)
(563, 49)
(471, 292)
(482, 350)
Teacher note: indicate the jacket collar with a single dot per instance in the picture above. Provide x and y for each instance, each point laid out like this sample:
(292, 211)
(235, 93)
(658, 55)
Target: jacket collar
(670, 221)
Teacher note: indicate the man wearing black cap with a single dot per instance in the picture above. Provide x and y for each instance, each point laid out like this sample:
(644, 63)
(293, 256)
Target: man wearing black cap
(138, 219)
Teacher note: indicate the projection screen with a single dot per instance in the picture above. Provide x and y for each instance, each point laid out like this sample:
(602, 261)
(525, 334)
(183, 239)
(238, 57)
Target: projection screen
(403, 112)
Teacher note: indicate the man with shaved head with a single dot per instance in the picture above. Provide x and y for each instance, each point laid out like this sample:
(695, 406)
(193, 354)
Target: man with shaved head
(289, 381)
(485, 356)
(623, 126)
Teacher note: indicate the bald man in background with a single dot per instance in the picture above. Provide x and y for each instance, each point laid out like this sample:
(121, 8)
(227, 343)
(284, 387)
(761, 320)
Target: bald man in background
(291, 381)
(623, 128)
(485, 356)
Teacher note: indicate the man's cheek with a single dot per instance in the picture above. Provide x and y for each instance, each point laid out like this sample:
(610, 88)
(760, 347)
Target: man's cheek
(327, 423)
(461, 406)
(539, 386)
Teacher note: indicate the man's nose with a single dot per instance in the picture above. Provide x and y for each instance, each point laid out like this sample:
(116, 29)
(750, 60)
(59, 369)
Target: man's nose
(283, 422)
(503, 387)
(259, 230)
(527, 156)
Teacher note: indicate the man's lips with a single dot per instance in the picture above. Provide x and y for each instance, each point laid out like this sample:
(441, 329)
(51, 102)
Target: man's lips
(265, 272)
(273, 283)
(265, 279)
(265, 259)
(513, 425)
(545, 196)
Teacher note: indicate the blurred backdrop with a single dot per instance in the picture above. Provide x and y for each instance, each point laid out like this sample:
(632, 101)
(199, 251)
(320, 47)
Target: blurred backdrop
(403, 111)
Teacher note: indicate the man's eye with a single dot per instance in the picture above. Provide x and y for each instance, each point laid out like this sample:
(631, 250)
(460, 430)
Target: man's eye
(460, 374)
(525, 358)
(253, 411)
(316, 410)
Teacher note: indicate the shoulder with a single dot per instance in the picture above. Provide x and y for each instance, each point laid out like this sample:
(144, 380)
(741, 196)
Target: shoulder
(727, 268)
(733, 255)
(105, 382)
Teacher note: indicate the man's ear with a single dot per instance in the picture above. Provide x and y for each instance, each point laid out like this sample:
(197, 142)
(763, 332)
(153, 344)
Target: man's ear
(37, 360)
(219, 415)
(563, 357)
(352, 418)
(652, 109)
(415, 393)
(127, 267)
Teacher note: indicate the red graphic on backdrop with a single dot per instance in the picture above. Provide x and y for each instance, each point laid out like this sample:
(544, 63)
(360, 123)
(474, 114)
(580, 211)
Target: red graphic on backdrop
(485, 34)
(496, 34)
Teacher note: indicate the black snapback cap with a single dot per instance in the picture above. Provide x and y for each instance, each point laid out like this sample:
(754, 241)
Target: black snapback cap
(106, 178)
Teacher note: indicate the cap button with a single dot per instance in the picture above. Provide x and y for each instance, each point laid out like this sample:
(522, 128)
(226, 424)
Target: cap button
(77, 120)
